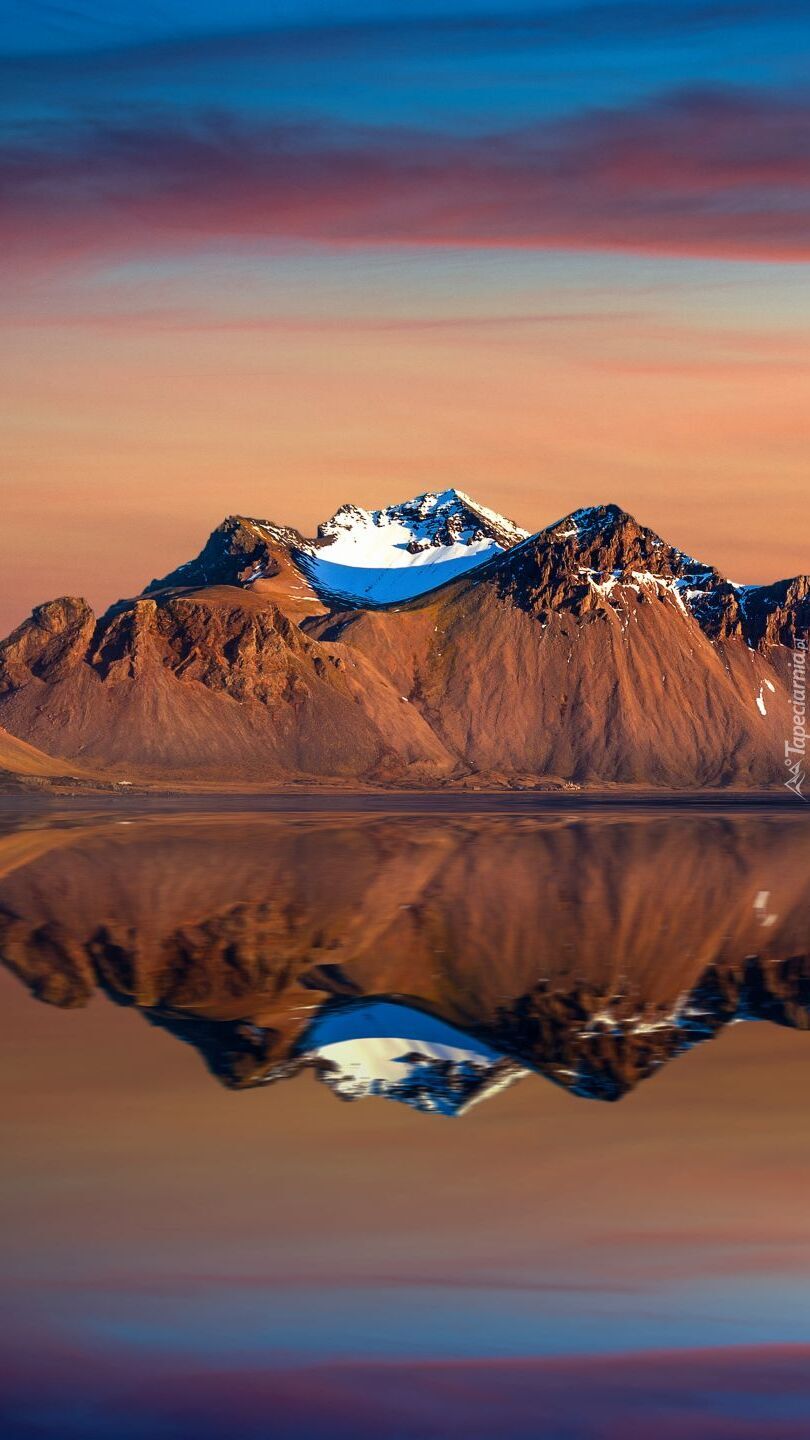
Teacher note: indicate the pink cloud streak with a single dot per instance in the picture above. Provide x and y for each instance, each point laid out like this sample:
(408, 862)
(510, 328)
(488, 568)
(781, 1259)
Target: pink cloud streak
(702, 174)
(753, 1393)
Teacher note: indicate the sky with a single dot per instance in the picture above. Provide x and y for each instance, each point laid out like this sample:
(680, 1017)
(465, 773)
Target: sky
(270, 259)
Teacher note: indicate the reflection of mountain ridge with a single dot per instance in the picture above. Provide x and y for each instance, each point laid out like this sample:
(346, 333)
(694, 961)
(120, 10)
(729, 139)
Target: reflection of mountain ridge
(591, 950)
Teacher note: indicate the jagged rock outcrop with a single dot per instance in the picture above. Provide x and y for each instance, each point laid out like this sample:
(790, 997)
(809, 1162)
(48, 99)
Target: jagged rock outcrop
(779, 614)
(589, 557)
(206, 684)
(447, 518)
(234, 554)
(56, 637)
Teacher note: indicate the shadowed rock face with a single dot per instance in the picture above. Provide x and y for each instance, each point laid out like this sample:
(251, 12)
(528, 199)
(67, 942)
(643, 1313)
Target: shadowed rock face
(430, 962)
(779, 614)
(232, 555)
(602, 556)
(56, 638)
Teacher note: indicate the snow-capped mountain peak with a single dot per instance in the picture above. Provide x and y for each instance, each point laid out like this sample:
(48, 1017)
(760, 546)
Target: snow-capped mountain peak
(394, 1051)
(436, 518)
(380, 557)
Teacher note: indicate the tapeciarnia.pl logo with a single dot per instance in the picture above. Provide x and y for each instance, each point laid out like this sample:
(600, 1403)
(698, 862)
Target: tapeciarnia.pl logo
(796, 747)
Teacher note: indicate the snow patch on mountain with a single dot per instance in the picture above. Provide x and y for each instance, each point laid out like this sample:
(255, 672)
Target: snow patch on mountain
(381, 557)
(398, 1053)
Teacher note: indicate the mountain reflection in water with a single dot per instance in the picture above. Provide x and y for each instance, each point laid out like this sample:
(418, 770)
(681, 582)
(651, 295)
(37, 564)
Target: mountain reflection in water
(431, 960)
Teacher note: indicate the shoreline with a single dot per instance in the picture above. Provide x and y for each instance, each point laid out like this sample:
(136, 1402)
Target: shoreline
(41, 800)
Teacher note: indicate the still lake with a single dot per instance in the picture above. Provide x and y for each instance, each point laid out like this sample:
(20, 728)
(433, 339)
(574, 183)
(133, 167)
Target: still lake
(351, 1123)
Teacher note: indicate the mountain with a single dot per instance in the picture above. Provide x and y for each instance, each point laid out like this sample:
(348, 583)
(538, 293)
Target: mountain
(595, 652)
(425, 960)
(429, 643)
(217, 684)
(382, 557)
(359, 557)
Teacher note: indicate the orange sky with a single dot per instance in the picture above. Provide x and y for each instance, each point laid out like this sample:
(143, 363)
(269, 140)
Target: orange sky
(128, 438)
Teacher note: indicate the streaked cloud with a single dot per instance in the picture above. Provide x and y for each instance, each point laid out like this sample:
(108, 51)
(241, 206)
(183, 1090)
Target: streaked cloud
(760, 1393)
(714, 173)
(169, 39)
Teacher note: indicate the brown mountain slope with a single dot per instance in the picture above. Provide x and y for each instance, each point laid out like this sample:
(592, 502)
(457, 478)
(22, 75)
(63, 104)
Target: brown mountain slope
(592, 652)
(248, 553)
(587, 657)
(19, 758)
(216, 684)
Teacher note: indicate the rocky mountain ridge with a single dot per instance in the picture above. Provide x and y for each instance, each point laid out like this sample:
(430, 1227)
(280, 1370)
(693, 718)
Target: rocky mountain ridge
(590, 653)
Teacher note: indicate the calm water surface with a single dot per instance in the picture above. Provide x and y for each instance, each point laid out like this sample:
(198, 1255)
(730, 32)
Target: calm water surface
(568, 1197)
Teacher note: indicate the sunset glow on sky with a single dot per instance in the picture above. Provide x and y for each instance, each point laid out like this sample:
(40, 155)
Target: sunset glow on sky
(270, 259)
